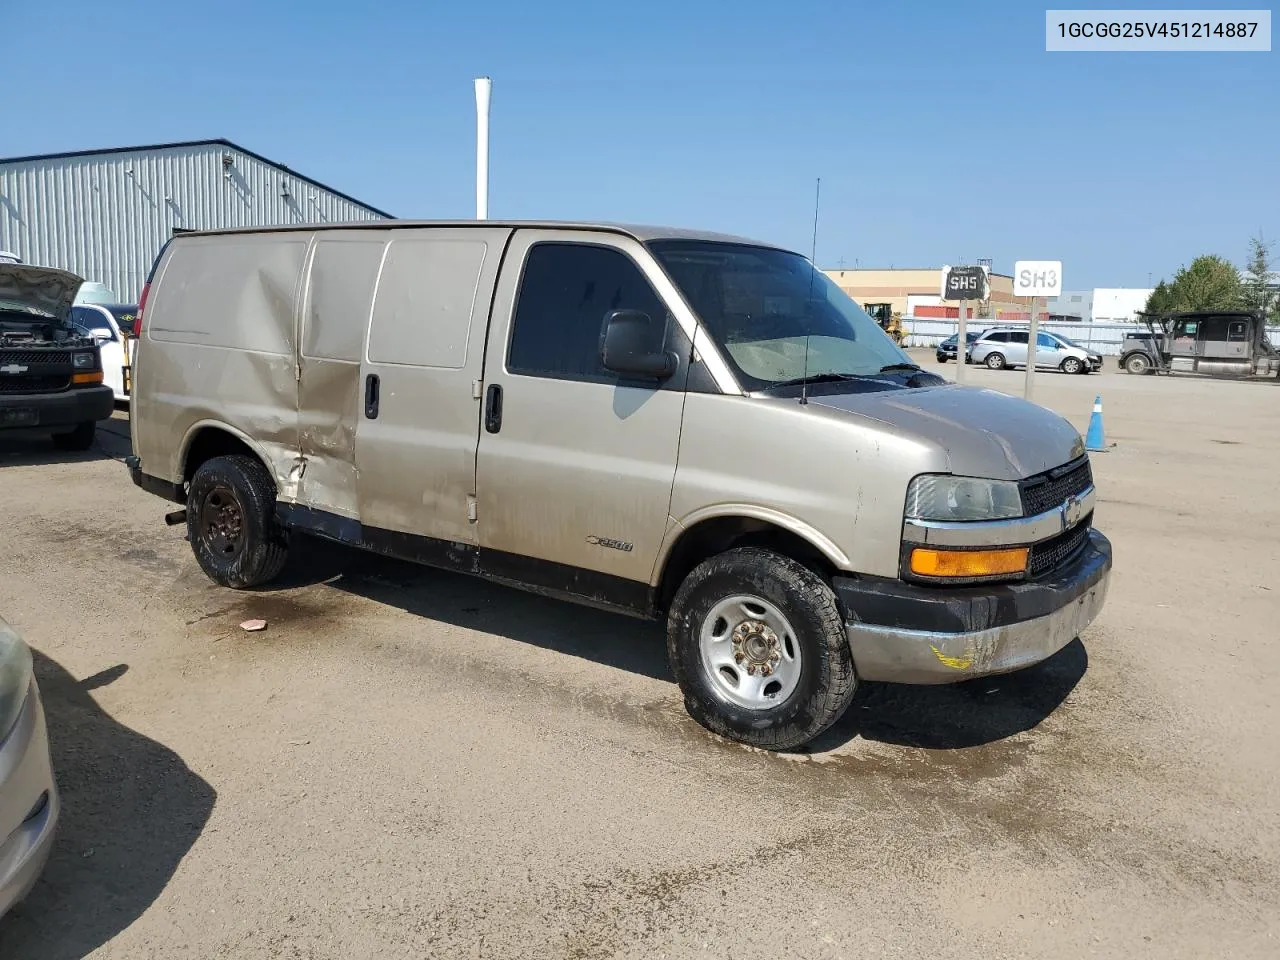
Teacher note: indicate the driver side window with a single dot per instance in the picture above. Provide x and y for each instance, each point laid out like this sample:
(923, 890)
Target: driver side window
(565, 292)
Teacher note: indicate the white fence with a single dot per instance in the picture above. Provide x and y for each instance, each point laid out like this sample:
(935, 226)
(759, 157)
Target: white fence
(1105, 338)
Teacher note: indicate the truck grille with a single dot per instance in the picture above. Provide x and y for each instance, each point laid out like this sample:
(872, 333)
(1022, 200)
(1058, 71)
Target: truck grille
(1050, 490)
(17, 385)
(1052, 554)
(26, 358)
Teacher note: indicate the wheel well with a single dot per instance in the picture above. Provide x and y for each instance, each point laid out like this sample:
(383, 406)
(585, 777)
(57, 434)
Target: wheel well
(210, 442)
(710, 537)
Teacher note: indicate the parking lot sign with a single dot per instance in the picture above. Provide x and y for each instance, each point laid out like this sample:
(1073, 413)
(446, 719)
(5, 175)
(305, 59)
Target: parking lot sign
(1035, 278)
(964, 283)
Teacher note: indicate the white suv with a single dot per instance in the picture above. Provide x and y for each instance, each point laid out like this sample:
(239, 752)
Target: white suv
(1008, 348)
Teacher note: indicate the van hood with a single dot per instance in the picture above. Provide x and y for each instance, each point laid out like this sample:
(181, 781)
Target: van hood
(983, 433)
(42, 291)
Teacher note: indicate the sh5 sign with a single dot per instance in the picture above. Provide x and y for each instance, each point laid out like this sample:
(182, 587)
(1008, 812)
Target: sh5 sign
(1037, 278)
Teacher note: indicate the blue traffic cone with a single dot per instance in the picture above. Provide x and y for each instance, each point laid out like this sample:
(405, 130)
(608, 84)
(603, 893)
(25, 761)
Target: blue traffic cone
(1093, 440)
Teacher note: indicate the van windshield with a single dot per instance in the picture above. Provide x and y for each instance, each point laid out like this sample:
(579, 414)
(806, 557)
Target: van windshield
(765, 308)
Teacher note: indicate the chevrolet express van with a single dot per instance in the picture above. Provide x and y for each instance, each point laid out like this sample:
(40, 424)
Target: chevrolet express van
(671, 424)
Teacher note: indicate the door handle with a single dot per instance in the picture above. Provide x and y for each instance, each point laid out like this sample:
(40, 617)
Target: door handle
(493, 408)
(371, 391)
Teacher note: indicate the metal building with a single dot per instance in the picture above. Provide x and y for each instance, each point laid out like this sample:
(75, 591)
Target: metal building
(104, 214)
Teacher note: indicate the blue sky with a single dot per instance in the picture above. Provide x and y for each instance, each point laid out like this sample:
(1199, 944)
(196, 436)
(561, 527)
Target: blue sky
(942, 132)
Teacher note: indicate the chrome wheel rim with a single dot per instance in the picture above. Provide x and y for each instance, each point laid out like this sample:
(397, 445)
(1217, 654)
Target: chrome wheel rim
(1073, 365)
(750, 653)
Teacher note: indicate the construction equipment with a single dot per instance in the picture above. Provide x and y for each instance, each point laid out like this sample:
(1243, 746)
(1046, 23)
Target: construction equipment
(1223, 343)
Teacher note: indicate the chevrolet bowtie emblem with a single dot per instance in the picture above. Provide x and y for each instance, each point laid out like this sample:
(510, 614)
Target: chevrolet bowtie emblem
(13, 368)
(1072, 511)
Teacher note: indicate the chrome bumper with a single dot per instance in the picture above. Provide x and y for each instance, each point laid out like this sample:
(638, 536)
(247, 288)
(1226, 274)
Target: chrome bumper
(903, 634)
(28, 803)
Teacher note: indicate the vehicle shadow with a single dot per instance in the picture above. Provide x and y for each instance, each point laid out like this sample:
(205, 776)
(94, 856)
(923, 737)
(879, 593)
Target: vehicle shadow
(28, 448)
(131, 810)
(946, 717)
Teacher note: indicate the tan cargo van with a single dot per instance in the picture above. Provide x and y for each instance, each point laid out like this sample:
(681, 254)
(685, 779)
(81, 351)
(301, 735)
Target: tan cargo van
(672, 424)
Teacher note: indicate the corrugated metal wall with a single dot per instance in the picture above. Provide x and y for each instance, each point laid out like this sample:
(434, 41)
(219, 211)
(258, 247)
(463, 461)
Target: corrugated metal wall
(105, 216)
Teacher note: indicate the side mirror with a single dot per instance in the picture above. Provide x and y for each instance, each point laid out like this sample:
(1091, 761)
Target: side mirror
(633, 344)
(102, 334)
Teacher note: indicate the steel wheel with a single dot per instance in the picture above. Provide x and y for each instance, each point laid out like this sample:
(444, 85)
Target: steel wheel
(1136, 363)
(222, 522)
(749, 652)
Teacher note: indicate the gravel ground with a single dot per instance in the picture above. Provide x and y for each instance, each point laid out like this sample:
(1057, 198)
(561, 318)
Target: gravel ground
(412, 764)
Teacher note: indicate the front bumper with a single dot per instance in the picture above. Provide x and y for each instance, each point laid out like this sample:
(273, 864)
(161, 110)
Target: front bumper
(902, 633)
(1095, 364)
(63, 409)
(29, 803)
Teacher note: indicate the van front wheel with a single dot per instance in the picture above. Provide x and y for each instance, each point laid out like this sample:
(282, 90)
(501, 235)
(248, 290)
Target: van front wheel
(759, 648)
(231, 522)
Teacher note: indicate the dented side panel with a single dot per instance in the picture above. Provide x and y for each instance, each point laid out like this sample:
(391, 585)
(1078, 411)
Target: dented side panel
(220, 346)
(342, 274)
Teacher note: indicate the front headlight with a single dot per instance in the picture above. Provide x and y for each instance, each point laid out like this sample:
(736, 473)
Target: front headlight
(83, 361)
(15, 677)
(944, 497)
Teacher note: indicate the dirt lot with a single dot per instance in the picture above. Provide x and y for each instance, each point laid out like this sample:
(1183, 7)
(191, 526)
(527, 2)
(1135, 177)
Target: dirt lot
(409, 764)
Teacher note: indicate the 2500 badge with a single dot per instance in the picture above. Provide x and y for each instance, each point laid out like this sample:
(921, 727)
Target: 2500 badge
(610, 543)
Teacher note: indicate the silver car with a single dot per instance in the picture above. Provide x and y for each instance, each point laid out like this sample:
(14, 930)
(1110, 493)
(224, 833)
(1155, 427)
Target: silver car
(28, 795)
(1001, 348)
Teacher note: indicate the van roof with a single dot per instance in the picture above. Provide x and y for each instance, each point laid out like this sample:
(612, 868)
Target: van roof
(640, 232)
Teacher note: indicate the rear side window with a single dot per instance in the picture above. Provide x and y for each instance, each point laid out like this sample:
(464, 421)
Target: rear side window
(997, 337)
(1017, 336)
(565, 293)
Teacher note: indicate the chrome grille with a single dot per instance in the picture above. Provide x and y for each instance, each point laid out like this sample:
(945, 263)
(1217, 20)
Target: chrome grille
(1052, 554)
(1050, 490)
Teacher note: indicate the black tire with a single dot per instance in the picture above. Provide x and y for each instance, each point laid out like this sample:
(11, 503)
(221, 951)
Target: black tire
(1073, 365)
(1136, 363)
(995, 361)
(79, 438)
(231, 522)
(941, 358)
(827, 680)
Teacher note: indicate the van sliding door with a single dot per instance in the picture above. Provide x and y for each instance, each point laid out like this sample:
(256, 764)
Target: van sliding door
(418, 409)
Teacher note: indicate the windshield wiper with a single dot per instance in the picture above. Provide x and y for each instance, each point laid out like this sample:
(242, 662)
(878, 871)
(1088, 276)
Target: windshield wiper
(894, 367)
(816, 378)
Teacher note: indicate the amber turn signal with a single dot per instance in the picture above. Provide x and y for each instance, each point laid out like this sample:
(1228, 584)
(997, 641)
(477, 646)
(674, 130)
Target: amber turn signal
(95, 377)
(968, 563)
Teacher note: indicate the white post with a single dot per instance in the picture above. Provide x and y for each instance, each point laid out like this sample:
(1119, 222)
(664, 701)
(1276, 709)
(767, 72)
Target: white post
(960, 342)
(483, 88)
(1033, 330)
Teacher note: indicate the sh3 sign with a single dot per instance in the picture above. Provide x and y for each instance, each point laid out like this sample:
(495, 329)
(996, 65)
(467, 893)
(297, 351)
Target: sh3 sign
(1037, 278)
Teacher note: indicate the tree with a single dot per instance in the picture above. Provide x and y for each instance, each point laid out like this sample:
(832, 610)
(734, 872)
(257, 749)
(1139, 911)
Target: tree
(1210, 283)
(1259, 291)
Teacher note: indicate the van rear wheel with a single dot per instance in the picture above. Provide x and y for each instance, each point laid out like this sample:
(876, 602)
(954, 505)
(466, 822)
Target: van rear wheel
(231, 522)
(759, 648)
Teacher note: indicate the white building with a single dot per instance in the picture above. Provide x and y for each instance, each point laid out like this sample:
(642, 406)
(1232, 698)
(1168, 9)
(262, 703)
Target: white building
(105, 214)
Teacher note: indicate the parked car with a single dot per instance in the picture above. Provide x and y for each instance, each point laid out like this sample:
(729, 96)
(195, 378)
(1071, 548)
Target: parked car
(947, 348)
(51, 375)
(677, 425)
(28, 793)
(112, 326)
(1001, 348)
